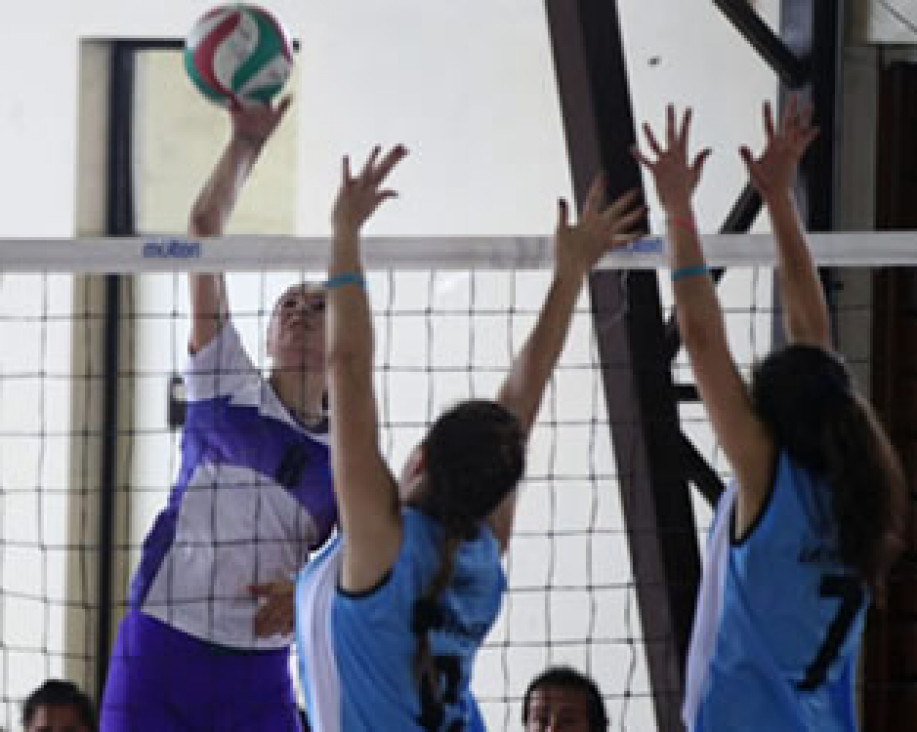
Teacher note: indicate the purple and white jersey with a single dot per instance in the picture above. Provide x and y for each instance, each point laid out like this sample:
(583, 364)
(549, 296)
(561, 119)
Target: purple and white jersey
(253, 496)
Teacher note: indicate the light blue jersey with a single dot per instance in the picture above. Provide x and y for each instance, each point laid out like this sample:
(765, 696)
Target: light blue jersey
(357, 652)
(779, 618)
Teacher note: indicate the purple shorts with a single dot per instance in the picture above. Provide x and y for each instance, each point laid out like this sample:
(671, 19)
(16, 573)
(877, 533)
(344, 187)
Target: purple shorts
(160, 679)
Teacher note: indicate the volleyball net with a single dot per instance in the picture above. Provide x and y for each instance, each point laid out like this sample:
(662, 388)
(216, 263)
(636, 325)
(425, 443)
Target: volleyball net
(449, 314)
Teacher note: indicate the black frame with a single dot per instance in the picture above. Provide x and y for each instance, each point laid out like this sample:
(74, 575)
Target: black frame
(120, 222)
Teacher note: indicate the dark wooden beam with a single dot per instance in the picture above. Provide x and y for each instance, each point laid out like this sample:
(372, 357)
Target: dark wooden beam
(640, 395)
(813, 30)
(699, 472)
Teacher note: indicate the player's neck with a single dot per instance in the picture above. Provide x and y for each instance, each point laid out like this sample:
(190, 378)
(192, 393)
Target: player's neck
(301, 393)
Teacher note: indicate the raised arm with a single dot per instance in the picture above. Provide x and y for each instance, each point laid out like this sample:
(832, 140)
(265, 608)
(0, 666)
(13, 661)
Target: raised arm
(742, 436)
(805, 314)
(577, 248)
(366, 491)
(251, 127)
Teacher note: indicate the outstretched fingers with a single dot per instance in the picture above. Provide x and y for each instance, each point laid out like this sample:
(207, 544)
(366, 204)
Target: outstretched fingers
(624, 220)
(790, 120)
(685, 130)
(671, 136)
(677, 133)
(391, 159)
(809, 136)
(651, 139)
(796, 126)
(769, 130)
(628, 225)
(375, 171)
(805, 116)
(360, 196)
(747, 157)
(622, 203)
(697, 167)
(596, 195)
(640, 157)
(563, 214)
(370, 163)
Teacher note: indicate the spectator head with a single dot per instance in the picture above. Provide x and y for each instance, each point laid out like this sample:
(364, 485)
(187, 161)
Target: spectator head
(58, 706)
(562, 699)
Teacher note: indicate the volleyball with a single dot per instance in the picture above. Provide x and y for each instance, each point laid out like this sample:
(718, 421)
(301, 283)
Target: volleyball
(238, 53)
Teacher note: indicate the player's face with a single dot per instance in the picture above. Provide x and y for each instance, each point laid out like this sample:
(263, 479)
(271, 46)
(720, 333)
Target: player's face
(296, 334)
(556, 709)
(56, 718)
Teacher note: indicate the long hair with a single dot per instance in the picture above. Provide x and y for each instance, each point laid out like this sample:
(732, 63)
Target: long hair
(806, 397)
(474, 456)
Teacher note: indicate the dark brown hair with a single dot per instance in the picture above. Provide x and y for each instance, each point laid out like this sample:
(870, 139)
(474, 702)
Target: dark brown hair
(57, 693)
(474, 456)
(565, 677)
(806, 397)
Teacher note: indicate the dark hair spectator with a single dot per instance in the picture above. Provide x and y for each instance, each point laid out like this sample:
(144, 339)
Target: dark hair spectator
(58, 706)
(561, 698)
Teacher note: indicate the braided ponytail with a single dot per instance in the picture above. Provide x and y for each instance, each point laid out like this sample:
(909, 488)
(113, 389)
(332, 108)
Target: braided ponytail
(474, 456)
(428, 616)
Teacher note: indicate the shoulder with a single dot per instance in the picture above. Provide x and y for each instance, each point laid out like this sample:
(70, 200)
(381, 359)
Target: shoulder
(221, 368)
(797, 502)
(226, 342)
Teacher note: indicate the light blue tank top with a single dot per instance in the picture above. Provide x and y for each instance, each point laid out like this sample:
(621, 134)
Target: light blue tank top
(357, 651)
(777, 631)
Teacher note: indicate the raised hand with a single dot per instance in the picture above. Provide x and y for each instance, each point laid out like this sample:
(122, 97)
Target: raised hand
(774, 172)
(578, 247)
(255, 123)
(358, 197)
(675, 175)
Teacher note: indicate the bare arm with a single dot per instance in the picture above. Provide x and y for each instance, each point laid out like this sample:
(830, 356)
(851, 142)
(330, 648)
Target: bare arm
(577, 249)
(366, 491)
(742, 436)
(805, 313)
(251, 127)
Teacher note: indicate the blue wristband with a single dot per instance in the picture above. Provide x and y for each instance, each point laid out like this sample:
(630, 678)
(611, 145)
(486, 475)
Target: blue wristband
(348, 278)
(684, 272)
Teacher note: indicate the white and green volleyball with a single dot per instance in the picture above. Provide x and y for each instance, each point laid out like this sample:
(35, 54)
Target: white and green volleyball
(238, 53)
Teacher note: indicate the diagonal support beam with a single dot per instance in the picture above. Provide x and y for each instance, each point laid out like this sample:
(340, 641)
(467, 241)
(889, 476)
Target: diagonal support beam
(699, 472)
(640, 395)
(792, 70)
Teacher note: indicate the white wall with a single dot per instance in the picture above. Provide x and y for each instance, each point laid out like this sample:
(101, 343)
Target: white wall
(355, 53)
